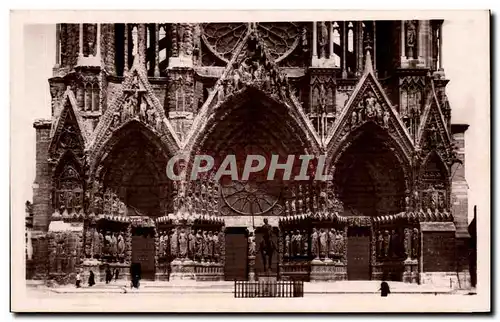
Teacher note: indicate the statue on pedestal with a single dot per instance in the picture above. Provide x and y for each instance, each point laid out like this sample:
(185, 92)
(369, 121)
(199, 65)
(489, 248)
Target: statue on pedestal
(315, 244)
(252, 247)
(192, 245)
(415, 244)
(183, 244)
(174, 244)
(331, 243)
(387, 237)
(407, 243)
(211, 245)
(161, 245)
(305, 242)
(206, 253)
(114, 245)
(199, 246)
(380, 244)
(287, 245)
(216, 247)
(267, 246)
(323, 242)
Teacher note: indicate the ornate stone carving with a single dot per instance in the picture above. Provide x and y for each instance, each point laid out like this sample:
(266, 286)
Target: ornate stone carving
(315, 247)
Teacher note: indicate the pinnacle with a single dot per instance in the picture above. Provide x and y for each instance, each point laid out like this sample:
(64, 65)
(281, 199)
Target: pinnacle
(368, 61)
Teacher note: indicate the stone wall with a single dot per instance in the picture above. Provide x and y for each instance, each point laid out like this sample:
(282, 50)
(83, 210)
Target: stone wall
(42, 201)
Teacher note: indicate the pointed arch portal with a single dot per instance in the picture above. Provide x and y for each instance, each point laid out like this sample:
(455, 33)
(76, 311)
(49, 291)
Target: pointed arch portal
(132, 173)
(368, 176)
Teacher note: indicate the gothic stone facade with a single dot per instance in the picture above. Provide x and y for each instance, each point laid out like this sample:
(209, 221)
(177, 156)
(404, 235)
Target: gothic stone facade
(370, 95)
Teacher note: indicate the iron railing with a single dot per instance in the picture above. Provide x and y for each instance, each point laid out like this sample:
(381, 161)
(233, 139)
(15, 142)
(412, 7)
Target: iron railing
(245, 289)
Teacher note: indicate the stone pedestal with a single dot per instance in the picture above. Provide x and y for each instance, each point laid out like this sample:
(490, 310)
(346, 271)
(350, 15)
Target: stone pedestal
(162, 272)
(182, 269)
(410, 273)
(251, 268)
(209, 272)
(328, 271)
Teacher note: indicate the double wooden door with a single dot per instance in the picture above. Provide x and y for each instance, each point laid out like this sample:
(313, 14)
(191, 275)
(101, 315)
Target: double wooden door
(358, 253)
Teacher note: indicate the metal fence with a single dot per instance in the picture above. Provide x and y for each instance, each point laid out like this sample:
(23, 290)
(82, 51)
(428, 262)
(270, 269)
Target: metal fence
(245, 289)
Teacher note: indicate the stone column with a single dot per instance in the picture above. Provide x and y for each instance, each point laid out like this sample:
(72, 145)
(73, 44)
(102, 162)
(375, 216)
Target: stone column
(125, 54)
(80, 35)
(157, 53)
(98, 41)
(331, 54)
(315, 41)
(141, 38)
(58, 46)
(440, 44)
(403, 44)
(344, 49)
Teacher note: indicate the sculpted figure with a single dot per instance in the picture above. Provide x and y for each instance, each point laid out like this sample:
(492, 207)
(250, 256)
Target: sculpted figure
(108, 243)
(415, 243)
(300, 244)
(315, 244)
(206, 254)
(215, 239)
(72, 261)
(101, 244)
(407, 242)
(354, 118)
(323, 242)
(174, 244)
(161, 244)
(287, 245)
(192, 244)
(380, 244)
(305, 243)
(387, 237)
(252, 246)
(121, 244)
(52, 260)
(386, 119)
(142, 111)
(331, 242)
(323, 38)
(211, 245)
(339, 240)
(114, 245)
(199, 246)
(183, 244)
(89, 249)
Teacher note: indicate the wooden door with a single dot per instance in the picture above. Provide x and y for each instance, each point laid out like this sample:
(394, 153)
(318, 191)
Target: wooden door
(236, 259)
(143, 253)
(358, 254)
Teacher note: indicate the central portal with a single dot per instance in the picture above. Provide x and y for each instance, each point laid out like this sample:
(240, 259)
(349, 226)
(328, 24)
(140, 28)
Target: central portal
(358, 253)
(143, 251)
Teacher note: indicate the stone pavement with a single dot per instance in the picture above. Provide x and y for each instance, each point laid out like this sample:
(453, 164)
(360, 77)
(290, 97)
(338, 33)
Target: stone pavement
(42, 299)
(224, 287)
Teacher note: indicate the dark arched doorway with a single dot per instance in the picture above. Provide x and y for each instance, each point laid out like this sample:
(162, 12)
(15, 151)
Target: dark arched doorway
(370, 181)
(135, 185)
(368, 177)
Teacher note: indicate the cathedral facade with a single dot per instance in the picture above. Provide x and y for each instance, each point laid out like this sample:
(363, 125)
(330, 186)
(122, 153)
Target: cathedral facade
(369, 96)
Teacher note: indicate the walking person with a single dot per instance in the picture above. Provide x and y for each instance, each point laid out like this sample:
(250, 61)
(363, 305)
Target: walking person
(109, 276)
(91, 279)
(384, 289)
(78, 279)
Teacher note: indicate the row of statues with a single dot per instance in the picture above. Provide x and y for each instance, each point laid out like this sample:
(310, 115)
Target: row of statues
(392, 244)
(308, 198)
(201, 197)
(63, 253)
(107, 244)
(324, 243)
(198, 245)
(327, 243)
(370, 109)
